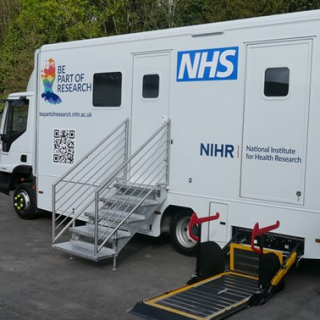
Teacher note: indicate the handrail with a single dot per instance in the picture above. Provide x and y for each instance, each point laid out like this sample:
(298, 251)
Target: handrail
(81, 180)
(91, 151)
(107, 181)
(66, 227)
(153, 184)
(97, 170)
(110, 185)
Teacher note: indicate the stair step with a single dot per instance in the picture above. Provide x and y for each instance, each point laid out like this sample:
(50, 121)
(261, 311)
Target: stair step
(84, 250)
(104, 232)
(116, 216)
(136, 186)
(128, 200)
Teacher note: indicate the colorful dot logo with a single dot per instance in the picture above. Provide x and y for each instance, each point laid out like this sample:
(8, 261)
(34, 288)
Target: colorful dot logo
(48, 75)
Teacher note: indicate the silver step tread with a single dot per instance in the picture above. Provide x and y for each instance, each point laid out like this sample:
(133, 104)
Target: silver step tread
(137, 186)
(129, 200)
(88, 230)
(84, 250)
(116, 216)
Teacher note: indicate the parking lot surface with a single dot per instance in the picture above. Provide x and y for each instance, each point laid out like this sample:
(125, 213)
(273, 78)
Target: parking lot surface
(39, 283)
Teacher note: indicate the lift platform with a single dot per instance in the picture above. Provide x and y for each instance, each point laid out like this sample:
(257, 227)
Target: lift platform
(218, 289)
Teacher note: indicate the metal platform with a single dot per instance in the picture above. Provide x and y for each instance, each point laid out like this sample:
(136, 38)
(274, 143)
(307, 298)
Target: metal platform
(214, 298)
(84, 250)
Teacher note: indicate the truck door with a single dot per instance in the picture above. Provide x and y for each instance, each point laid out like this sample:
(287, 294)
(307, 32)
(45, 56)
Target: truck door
(150, 95)
(14, 135)
(276, 121)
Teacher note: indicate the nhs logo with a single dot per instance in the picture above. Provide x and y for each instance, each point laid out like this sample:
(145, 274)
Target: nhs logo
(208, 64)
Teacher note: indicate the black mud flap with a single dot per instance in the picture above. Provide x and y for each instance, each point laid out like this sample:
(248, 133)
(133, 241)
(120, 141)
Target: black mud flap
(5, 179)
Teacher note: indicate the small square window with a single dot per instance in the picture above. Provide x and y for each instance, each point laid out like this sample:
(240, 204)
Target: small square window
(150, 87)
(276, 82)
(107, 89)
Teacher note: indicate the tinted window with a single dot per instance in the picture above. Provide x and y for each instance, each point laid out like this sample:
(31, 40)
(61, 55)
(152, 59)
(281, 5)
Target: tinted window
(107, 89)
(150, 88)
(276, 82)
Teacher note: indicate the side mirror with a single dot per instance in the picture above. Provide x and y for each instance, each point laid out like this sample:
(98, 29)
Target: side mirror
(4, 138)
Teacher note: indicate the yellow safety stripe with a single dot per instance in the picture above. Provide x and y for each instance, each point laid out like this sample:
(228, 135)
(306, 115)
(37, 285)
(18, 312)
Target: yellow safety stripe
(175, 311)
(197, 317)
(248, 248)
(194, 285)
(279, 276)
(153, 301)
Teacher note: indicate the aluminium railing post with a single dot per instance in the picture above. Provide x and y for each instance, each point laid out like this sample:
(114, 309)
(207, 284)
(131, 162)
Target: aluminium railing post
(168, 151)
(126, 148)
(53, 213)
(96, 210)
(115, 247)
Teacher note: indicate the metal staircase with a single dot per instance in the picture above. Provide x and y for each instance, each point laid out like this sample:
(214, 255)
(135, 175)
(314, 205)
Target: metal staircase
(115, 194)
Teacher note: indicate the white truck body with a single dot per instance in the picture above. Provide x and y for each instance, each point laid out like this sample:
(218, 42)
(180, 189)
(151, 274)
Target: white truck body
(243, 100)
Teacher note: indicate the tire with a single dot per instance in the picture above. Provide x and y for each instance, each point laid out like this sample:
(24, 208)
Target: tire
(24, 201)
(179, 234)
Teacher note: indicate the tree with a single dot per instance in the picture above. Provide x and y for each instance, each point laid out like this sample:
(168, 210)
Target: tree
(8, 11)
(203, 11)
(26, 25)
(39, 22)
(301, 5)
(127, 16)
(222, 10)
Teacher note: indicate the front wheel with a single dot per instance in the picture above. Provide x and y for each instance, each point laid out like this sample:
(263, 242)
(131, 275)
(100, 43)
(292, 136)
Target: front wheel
(24, 201)
(179, 234)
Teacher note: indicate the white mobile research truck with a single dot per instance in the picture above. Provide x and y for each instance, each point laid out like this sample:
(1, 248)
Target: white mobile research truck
(134, 133)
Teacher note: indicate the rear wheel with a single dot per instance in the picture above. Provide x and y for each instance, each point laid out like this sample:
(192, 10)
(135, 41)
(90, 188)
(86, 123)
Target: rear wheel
(179, 234)
(24, 201)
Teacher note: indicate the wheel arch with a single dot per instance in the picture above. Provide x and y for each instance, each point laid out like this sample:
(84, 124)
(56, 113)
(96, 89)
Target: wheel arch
(168, 214)
(21, 174)
(175, 222)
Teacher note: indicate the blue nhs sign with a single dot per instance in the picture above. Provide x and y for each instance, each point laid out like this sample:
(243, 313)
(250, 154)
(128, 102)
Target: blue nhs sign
(208, 64)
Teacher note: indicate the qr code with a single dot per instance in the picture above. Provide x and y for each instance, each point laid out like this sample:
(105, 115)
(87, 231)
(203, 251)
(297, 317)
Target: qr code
(63, 146)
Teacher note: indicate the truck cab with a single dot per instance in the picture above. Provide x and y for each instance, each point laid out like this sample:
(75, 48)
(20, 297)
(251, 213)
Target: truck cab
(17, 133)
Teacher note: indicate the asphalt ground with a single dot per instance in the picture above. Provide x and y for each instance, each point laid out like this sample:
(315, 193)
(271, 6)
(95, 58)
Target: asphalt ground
(39, 283)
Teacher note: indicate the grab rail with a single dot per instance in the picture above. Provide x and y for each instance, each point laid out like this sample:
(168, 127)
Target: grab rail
(147, 170)
(82, 179)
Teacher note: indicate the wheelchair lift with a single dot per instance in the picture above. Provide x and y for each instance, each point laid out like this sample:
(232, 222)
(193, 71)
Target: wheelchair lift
(226, 280)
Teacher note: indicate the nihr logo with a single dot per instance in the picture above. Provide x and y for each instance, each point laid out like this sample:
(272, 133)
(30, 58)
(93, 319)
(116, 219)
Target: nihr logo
(208, 64)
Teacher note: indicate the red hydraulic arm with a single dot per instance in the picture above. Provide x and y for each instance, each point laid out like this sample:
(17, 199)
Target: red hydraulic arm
(258, 232)
(194, 220)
